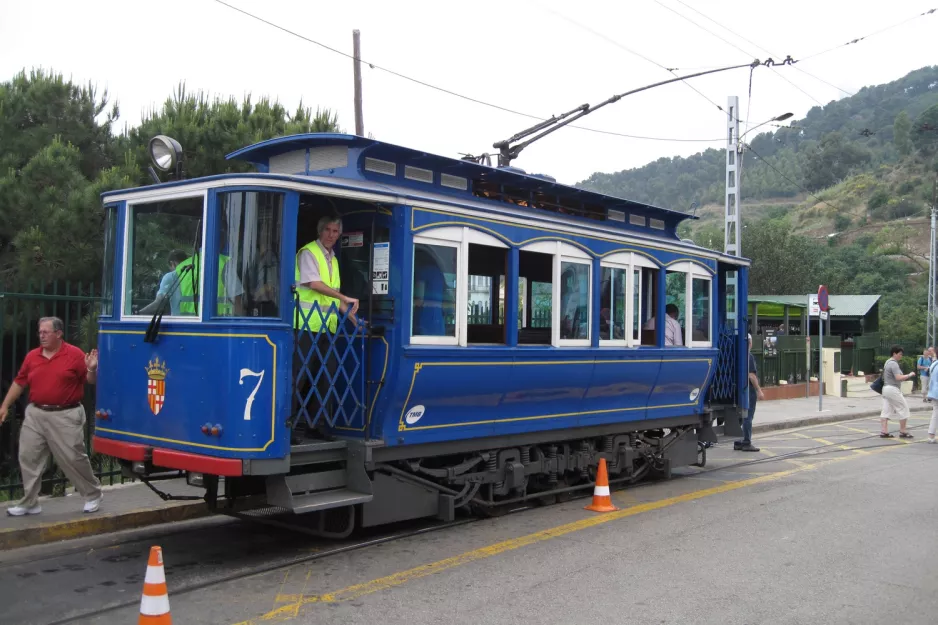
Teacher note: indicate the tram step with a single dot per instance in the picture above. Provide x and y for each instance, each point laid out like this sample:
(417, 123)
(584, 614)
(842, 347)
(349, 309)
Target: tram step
(323, 500)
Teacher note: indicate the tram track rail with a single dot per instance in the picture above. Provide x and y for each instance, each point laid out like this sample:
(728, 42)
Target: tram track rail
(572, 493)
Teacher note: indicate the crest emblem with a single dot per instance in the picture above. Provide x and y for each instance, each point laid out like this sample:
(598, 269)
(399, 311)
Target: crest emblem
(156, 384)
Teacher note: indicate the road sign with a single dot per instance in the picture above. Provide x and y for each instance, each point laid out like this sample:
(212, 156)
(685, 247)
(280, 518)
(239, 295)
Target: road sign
(822, 298)
(824, 314)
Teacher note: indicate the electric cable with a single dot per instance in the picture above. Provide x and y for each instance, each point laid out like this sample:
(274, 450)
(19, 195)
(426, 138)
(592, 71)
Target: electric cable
(450, 92)
(873, 34)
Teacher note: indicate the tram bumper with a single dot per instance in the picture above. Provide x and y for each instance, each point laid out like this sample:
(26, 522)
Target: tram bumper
(146, 459)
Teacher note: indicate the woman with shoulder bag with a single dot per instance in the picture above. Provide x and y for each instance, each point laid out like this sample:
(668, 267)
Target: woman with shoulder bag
(893, 401)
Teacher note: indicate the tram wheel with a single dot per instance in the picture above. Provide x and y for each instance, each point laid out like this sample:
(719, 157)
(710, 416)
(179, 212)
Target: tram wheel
(701, 455)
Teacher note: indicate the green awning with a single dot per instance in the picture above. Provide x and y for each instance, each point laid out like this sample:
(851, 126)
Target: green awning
(774, 308)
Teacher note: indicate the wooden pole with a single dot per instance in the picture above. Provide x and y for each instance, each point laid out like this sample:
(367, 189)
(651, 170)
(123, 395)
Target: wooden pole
(357, 70)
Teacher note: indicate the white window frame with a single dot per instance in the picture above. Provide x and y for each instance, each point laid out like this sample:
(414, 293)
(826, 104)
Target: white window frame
(692, 271)
(458, 237)
(126, 272)
(630, 262)
(564, 252)
(623, 262)
(638, 261)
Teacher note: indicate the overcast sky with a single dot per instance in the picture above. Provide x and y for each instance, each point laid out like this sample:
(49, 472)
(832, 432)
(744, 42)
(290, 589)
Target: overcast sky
(537, 57)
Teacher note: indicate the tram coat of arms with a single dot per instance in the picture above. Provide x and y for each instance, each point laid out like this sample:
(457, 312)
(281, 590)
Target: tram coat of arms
(156, 384)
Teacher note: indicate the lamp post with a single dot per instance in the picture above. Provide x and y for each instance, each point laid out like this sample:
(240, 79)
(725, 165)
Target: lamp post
(731, 222)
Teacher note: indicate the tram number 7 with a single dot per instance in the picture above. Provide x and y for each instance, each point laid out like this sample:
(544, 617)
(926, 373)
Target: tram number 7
(250, 402)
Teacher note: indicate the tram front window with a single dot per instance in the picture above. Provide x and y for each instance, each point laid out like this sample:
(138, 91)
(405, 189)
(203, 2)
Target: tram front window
(162, 256)
(248, 270)
(435, 271)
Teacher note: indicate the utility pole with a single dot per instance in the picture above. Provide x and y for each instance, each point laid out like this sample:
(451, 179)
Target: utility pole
(931, 325)
(357, 71)
(731, 234)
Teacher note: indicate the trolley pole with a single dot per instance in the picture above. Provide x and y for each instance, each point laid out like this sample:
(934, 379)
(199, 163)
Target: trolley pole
(357, 73)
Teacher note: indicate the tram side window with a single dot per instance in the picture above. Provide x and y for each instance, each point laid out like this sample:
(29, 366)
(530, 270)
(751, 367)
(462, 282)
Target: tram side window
(486, 315)
(574, 300)
(434, 305)
(163, 260)
(646, 304)
(248, 270)
(700, 311)
(676, 284)
(536, 277)
(612, 301)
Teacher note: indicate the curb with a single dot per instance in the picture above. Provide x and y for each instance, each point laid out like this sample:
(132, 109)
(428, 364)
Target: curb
(820, 420)
(99, 524)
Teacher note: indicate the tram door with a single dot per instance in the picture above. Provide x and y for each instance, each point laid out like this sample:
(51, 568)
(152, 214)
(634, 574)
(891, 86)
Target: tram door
(331, 373)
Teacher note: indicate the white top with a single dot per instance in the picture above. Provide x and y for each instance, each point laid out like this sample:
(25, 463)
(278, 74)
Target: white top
(673, 335)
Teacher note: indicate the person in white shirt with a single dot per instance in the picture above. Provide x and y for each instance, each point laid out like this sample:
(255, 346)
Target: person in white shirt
(673, 335)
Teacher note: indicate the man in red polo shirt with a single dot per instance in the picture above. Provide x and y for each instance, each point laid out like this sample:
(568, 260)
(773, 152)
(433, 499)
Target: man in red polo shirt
(55, 373)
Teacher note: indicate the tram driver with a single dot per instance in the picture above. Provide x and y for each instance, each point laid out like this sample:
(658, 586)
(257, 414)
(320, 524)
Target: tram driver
(318, 283)
(673, 334)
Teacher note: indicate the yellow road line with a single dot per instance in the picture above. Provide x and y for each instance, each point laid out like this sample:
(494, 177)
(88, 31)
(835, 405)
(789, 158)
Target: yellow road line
(425, 570)
(771, 454)
(844, 447)
(847, 427)
(287, 612)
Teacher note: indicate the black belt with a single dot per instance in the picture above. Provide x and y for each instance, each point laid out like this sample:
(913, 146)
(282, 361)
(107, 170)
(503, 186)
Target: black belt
(51, 408)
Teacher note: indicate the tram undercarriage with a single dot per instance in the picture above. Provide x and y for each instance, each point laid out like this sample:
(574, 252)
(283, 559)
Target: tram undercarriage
(366, 486)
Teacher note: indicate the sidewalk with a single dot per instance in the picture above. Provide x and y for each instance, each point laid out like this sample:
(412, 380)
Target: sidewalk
(125, 506)
(129, 506)
(792, 413)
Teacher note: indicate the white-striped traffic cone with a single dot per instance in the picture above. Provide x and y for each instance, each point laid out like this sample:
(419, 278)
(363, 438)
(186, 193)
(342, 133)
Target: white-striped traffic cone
(154, 604)
(602, 501)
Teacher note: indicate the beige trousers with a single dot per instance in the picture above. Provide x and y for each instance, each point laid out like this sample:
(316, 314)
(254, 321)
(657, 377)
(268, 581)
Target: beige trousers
(62, 434)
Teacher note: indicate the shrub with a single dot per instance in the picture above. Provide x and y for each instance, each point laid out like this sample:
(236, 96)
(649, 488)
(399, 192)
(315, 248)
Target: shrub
(842, 221)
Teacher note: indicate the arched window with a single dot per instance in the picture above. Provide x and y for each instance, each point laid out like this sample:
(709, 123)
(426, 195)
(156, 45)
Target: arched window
(458, 287)
(627, 286)
(689, 287)
(555, 280)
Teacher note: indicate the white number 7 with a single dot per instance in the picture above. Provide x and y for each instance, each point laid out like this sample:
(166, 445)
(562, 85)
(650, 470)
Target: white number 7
(250, 402)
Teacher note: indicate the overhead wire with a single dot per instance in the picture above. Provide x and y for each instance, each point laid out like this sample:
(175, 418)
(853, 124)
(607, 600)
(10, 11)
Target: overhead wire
(764, 159)
(873, 34)
(620, 45)
(450, 92)
(730, 43)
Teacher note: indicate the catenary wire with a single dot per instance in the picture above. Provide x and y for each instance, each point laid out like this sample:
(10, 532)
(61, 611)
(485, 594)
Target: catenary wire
(873, 34)
(450, 92)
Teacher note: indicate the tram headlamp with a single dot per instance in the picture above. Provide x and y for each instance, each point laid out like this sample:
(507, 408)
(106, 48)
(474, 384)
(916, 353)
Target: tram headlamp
(165, 152)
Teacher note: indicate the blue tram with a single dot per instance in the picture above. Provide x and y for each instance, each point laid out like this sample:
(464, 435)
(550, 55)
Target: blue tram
(507, 335)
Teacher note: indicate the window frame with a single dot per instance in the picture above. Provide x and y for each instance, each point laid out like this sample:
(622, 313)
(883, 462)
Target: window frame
(212, 282)
(564, 252)
(126, 268)
(629, 261)
(458, 237)
(691, 271)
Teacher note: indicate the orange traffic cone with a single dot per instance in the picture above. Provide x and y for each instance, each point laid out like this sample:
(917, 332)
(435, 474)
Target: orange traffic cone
(602, 502)
(154, 605)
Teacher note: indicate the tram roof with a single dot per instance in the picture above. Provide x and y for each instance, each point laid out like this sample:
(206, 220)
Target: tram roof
(345, 155)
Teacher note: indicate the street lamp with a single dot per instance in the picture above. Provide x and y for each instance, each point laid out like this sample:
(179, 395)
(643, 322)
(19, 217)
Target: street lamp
(780, 118)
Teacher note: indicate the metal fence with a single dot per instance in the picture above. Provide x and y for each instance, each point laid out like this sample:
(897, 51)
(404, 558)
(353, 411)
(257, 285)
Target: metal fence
(77, 305)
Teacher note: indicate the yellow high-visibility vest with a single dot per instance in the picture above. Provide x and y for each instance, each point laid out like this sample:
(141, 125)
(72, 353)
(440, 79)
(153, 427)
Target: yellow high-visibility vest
(308, 296)
(187, 285)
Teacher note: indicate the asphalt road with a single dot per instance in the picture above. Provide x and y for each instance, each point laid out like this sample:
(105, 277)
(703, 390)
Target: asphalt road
(843, 536)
